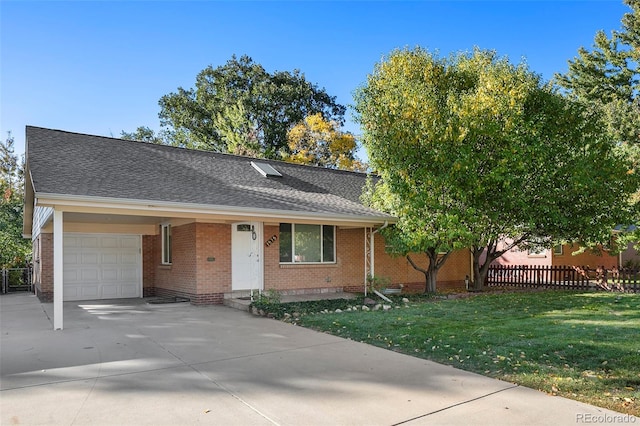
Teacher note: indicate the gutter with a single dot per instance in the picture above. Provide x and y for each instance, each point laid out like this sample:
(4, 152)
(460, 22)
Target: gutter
(161, 207)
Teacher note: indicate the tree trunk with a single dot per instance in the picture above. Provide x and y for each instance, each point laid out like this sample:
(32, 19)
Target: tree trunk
(430, 281)
(480, 271)
(431, 272)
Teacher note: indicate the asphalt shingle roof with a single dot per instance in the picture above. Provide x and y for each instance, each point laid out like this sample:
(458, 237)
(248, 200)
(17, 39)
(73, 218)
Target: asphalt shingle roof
(94, 166)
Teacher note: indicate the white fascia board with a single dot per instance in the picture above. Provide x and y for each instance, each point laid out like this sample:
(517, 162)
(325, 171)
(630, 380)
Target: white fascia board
(160, 207)
(28, 204)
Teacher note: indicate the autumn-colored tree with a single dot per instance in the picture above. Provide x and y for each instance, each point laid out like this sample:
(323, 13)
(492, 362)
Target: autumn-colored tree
(319, 142)
(473, 150)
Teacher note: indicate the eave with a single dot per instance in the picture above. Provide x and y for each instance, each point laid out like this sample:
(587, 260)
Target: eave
(119, 206)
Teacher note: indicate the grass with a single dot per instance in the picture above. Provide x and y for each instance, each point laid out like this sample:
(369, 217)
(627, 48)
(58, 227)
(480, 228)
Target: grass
(583, 346)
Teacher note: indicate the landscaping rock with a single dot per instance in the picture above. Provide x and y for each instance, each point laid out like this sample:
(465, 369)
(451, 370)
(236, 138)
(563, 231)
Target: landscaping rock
(287, 315)
(365, 308)
(405, 300)
(386, 307)
(377, 307)
(338, 311)
(368, 301)
(296, 314)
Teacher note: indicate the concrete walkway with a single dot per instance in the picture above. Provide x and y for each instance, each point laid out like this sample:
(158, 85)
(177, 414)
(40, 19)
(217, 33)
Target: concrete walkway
(129, 363)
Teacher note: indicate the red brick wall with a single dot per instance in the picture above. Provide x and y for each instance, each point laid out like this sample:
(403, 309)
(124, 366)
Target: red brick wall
(348, 272)
(43, 267)
(180, 276)
(584, 259)
(399, 270)
(149, 256)
(195, 276)
(192, 274)
(213, 260)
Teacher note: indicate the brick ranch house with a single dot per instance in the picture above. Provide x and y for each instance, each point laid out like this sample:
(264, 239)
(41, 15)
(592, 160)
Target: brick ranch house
(112, 218)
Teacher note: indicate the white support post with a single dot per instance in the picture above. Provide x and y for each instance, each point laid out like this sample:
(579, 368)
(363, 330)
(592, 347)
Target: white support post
(372, 259)
(367, 259)
(58, 266)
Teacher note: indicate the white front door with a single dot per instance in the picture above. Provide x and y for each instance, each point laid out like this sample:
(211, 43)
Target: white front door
(246, 257)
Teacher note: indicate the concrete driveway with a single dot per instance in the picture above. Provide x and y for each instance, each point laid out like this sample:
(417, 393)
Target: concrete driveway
(129, 363)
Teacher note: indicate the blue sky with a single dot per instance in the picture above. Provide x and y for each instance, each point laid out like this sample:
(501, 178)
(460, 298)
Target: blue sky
(100, 67)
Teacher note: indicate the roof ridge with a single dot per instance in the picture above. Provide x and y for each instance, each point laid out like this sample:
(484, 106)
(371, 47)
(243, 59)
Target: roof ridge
(226, 154)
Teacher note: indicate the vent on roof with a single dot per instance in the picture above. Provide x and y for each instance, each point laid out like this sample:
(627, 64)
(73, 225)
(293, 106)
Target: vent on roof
(265, 169)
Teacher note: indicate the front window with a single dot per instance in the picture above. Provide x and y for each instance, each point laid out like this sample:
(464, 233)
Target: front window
(307, 243)
(165, 235)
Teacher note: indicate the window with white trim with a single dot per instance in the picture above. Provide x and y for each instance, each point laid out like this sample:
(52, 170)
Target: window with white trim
(301, 243)
(165, 236)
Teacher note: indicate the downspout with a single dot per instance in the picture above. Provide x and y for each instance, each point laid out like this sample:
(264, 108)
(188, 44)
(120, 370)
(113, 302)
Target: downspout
(371, 252)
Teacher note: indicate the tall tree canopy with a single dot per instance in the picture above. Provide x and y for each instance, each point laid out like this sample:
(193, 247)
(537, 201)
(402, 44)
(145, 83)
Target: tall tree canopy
(14, 249)
(241, 108)
(473, 150)
(607, 80)
(607, 77)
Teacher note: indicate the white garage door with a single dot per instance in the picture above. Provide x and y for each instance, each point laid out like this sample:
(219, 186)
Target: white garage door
(102, 266)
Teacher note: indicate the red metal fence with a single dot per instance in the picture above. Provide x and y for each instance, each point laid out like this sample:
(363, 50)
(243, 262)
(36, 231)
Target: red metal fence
(563, 277)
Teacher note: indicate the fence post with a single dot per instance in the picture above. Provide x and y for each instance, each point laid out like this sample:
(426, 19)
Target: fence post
(4, 281)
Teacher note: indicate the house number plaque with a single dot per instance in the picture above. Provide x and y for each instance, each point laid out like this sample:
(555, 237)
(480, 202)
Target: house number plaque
(271, 240)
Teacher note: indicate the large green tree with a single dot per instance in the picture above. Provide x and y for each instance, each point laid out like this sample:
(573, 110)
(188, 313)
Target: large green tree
(14, 249)
(474, 150)
(607, 77)
(240, 107)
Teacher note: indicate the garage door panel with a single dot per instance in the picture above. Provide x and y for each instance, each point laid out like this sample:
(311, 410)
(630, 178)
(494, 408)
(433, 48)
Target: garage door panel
(129, 258)
(90, 291)
(89, 258)
(130, 290)
(101, 266)
(128, 274)
(71, 275)
(71, 258)
(132, 243)
(109, 242)
(71, 292)
(109, 258)
(89, 242)
(70, 242)
(109, 275)
(109, 291)
(89, 275)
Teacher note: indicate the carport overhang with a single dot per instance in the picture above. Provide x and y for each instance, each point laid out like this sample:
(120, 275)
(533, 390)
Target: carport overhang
(70, 210)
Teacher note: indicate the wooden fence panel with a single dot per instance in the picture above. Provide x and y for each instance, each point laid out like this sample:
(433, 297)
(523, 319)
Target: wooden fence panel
(560, 277)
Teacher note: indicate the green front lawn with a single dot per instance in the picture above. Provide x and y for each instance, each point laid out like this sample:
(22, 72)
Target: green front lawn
(584, 346)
